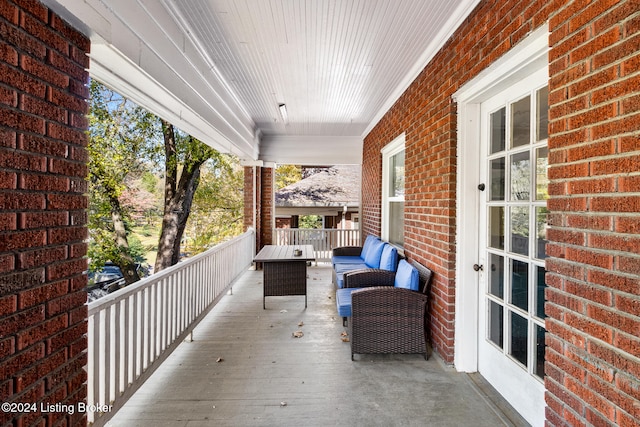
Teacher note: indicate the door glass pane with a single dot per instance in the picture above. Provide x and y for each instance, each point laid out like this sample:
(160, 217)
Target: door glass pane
(521, 122)
(542, 116)
(498, 130)
(496, 275)
(496, 190)
(540, 287)
(520, 230)
(542, 182)
(520, 284)
(520, 176)
(519, 337)
(496, 227)
(396, 223)
(541, 232)
(397, 175)
(538, 367)
(496, 326)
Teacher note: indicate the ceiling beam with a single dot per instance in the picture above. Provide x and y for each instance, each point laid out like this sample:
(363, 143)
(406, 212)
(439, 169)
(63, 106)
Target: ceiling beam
(311, 150)
(139, 50)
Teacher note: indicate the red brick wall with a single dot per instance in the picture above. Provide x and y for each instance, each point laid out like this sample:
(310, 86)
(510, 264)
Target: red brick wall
(266, 206)
(594, 273)
(427, 115)
(42, 212)
(594, 269)
(249, 192)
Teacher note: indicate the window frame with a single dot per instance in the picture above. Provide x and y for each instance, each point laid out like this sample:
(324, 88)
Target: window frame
(394, 147)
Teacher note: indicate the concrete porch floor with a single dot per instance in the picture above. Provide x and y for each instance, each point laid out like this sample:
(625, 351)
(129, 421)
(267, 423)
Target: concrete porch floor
(266, 377)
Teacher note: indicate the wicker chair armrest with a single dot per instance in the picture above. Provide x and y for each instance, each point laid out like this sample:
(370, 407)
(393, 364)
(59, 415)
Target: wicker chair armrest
(388, 301)
(347, 251)
(368, 277)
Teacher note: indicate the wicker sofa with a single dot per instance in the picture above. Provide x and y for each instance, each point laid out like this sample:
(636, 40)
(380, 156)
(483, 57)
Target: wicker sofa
(374, 254)
(388, 310)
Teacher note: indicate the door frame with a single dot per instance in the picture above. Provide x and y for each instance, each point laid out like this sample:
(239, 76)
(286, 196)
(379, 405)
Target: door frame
(530, 55)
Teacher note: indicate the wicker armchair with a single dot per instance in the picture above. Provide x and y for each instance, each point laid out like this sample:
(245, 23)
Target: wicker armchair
(387, 319)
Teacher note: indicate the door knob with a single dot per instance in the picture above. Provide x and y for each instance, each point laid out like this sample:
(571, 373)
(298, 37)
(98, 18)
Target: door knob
(477, 267)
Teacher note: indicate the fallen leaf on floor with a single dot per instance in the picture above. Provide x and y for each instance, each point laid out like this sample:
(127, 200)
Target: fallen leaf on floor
(298, 334)
(283, 403)
(344, 334)
(301, 324)
(219, 359)
(345, 339)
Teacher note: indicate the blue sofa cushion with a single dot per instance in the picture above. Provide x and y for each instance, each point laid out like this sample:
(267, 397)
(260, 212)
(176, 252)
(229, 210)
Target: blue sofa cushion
(350, 259)
(372, 258)
(343, 301)
(343, 268)
(368, 242)
(346, 259)
(389, 258)
(407, 277)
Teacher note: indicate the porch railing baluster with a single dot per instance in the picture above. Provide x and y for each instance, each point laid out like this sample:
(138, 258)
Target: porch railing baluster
(132, 331)
(323, 240)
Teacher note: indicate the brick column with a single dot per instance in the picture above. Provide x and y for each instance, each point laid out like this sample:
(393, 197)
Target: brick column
(266, 206)
(593, 308)
(260, 187)
(43, 165)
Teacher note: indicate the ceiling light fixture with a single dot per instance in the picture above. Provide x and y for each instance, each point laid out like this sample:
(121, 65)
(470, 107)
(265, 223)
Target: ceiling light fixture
(283, 113)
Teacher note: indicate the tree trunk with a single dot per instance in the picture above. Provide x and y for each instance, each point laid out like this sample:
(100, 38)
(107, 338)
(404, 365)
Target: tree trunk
(178, 199)
(125, 262)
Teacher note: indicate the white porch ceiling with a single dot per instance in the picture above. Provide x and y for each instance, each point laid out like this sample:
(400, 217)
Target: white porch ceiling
(219, 68)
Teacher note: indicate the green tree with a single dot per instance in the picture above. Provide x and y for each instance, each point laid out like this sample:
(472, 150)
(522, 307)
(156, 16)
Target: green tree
(127, 144)
(184, 155)
(119, 133)
(217, 209)
(287, 175)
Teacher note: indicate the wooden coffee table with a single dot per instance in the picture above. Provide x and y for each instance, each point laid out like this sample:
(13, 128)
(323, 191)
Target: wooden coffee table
(285, 272)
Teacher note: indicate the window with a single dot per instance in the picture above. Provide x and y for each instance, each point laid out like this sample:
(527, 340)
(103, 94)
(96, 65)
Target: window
(393, 191)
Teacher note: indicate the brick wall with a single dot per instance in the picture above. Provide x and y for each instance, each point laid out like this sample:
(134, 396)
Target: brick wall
(248, 192)
(427, 115)
(594, 271)
(42, 212)
(266, 206)
(594, 268)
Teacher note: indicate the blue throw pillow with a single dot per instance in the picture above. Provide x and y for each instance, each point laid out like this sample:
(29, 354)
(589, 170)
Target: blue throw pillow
(407, 277)
(389, 258)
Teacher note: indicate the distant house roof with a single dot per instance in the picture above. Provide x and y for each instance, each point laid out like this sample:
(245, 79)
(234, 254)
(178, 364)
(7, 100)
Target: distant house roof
(337, 186)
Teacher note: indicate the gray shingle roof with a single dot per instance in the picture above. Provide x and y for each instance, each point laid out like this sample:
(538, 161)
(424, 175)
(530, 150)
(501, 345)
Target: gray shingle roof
(336, 186)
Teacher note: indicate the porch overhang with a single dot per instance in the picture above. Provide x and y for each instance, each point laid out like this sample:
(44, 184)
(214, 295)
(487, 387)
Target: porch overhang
(156, 54)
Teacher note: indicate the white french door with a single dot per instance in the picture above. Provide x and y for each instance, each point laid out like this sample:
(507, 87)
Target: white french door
(512, 222)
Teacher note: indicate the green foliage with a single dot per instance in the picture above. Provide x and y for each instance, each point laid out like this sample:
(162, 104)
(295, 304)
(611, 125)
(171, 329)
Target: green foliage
(217, 209)
(127, 162)
(287, 175)
(122, 140)
(149, 181)
(310, 221)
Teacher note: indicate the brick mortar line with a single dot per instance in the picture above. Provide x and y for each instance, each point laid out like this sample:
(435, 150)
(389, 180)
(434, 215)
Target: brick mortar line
(595, 267)
(591, 337)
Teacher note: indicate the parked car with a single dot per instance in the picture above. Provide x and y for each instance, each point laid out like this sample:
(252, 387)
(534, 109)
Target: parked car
(107, 273)
(110, 277)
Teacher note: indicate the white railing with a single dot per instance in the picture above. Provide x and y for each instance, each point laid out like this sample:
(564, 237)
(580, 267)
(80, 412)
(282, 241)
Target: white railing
(323, 240)
(133, 330)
